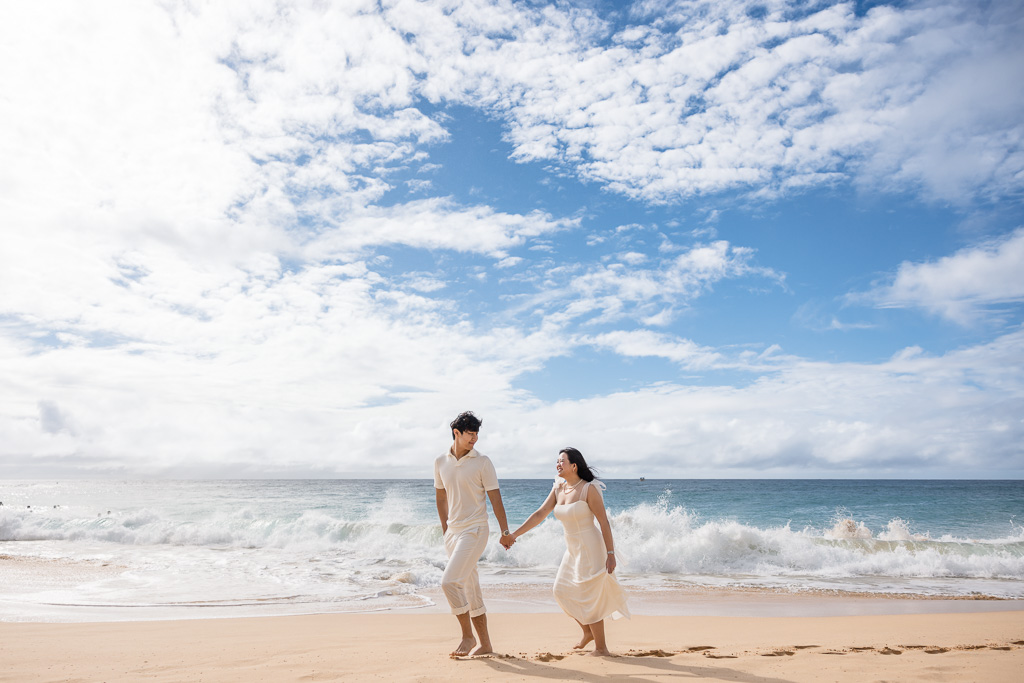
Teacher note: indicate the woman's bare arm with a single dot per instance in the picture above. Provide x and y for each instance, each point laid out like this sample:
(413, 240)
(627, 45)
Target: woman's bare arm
(595, 501)
(537, 517)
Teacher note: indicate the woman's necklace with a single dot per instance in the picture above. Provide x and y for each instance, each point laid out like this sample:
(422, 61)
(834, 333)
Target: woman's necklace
(568, 488)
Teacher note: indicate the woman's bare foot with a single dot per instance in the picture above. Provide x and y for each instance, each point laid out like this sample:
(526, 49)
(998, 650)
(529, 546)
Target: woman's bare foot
(588, 638)
(599, 653)
(464, 647)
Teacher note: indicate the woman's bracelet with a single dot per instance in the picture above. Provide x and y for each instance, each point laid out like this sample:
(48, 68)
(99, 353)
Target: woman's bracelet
(611, 552)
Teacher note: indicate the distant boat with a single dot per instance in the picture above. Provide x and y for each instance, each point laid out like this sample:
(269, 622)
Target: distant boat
(641, 478)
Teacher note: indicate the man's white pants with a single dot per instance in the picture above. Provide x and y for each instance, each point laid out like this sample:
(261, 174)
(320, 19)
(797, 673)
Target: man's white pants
(461, 582)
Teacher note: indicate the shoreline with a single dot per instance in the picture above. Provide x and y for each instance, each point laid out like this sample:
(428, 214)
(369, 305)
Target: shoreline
(982, 646)
(696, 601)
(27, 576)
(521, 598)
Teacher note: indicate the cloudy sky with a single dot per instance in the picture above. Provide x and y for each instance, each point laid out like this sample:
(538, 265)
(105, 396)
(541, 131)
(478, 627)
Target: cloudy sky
(692, 238)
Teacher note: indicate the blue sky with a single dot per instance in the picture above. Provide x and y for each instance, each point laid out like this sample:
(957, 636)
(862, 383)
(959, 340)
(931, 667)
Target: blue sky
(693, 239)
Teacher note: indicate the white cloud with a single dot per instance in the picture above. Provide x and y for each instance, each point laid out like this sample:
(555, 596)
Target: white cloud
(615, 290)
(644, 343)
(911, 414)
(189, 206)
(310, 370)
(711, 97)
(329, 398)
(963, 287)
(509, 262)
(419, 185)
(435, 223)
(424, 282)
(304, 114)
(633, 258)
(816, 315)
(688, 354)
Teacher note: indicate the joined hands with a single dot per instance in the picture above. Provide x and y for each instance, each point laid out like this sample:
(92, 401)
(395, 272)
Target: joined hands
(507, 541)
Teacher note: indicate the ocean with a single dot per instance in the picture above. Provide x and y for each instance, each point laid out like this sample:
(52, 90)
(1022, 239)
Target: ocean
(108, 550)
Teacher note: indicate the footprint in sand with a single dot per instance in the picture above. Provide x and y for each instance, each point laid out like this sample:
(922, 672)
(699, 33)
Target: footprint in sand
(804, 647)
(711, 656)
(936, 650)
(779, 653)
(889, 651)
(548, 657)
(1001, 647)
(699, 648)
(651, 653)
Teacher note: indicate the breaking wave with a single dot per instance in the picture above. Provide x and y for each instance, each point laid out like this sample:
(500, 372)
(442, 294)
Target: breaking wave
(652, 539)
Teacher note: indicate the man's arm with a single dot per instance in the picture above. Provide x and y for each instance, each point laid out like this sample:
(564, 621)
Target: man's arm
(498, 507)
(441, 497)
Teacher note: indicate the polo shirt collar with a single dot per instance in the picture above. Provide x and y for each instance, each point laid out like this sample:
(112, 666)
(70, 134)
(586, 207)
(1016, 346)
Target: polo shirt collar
(472, 454)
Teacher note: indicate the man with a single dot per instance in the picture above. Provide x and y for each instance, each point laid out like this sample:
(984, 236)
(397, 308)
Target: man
(462, 477)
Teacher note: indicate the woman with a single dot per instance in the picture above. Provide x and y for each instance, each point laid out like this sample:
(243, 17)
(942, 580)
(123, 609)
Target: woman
(585, 586)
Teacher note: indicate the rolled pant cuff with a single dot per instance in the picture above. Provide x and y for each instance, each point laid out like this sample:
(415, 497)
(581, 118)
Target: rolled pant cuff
(460, 610)
(477, 612)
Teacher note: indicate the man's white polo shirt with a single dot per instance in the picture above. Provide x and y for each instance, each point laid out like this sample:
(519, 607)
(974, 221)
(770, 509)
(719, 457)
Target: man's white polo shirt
(465, 481)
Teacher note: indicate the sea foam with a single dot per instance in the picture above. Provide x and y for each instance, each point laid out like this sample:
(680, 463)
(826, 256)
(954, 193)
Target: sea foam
(650, 538)
(330, 550)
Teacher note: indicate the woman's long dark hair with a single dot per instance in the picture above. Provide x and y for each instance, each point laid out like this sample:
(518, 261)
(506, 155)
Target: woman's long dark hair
(576, 458)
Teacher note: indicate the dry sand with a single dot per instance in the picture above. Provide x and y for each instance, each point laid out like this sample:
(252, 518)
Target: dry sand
(984, 646)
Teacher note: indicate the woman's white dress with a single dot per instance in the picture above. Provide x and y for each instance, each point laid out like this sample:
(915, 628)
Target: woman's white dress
(583, 586)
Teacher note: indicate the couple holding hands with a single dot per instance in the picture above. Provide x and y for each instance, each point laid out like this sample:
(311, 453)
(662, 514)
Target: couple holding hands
(585, 586)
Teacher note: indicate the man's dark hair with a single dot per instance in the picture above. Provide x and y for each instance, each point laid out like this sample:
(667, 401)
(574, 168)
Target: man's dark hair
(466, 422)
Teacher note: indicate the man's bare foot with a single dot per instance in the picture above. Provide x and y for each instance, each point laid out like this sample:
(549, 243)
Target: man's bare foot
(586, 640)
(484, 649)
(599, 653)
(464, 647)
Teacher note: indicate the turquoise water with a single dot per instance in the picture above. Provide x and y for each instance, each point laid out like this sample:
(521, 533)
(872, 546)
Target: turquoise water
(256, 547)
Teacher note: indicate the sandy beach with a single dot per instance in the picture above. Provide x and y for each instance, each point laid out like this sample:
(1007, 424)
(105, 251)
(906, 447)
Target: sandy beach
(981, 646)
(166, 590)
